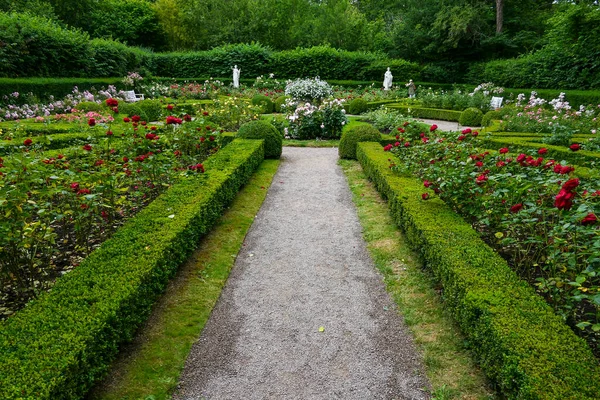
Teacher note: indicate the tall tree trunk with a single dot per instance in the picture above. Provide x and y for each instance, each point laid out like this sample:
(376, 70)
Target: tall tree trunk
(499, 15)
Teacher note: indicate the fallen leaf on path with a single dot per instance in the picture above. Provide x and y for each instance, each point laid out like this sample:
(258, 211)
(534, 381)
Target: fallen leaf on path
(321, 329)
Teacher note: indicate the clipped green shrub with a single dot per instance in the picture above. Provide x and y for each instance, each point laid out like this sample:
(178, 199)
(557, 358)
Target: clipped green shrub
(523, 347)
(153, 109)
(351, 137)
(264, 102)
(431, 113)
(280, 101)
(489, 116)
(266, 131)
(132, 109)
(358, 106)
(87, 106)
(64, 341)
(471, 117)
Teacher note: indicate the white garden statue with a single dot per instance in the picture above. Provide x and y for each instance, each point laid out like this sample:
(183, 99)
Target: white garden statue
(387, 80)
(236, 76)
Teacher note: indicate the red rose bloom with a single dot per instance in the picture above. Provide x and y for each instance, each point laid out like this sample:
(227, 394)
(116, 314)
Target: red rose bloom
(75, 186)
(461, 137)
(425, 196)
(396, 144)
(112, 102)
(466, 131)
(589, 219)
(407, 144)
(170, 107)
(202, 139)
(136, 118)
(109, 133)
(92, 122)
(27, 142)
(575, 146)
(481, 179)
(475, 134)
(543, 150)
(516, 208)
(171, 120)
(126, 119)
(503, 150)
(388, 147)
(205, 113)
(570, 184)
(87, 147)
(187, 117)
(426, 184)
(151, 136)
(521, 157)
(500, 164)
(564, 200)
(433, 128)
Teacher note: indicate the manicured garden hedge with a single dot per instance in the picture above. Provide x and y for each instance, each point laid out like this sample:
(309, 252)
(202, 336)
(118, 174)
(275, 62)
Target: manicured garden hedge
(61, 343)
(520, 343)
(555, 152)
(431, 113)
(49, 142)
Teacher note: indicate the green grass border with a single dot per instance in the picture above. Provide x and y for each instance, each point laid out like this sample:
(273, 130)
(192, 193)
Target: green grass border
(152, 366)
(448, 363)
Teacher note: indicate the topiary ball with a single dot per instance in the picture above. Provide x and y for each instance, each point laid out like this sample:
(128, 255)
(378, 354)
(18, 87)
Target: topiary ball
(354, 135)
(471, 117)
(264, 102)
(131, 109)
(152, 108)
(87, 106)
(280, 101)
(358, 106)
(490, 116)
(266, 131)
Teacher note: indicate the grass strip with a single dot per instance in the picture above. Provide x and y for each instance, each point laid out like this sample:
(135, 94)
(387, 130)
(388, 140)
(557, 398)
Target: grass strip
(449, 366)
(151, 366)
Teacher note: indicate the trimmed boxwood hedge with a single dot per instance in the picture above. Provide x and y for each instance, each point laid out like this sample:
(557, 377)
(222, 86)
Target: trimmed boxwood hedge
(555, 152)
(520, 343)
(430, 113)
(49, 142)
(61, 343)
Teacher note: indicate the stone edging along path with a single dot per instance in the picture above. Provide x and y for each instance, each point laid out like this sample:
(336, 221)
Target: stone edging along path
(304, 313)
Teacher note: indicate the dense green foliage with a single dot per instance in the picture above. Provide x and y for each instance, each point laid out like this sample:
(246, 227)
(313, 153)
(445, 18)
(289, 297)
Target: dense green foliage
(263, 130)
(541, 358)
(352, 136)
(358, 106)
(489, 116)
(471, 117)
(267, 106)
(99, 305)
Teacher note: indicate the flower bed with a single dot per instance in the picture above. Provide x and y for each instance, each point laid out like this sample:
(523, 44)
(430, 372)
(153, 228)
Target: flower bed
(65, 340)
(61, 204)
(520, 343)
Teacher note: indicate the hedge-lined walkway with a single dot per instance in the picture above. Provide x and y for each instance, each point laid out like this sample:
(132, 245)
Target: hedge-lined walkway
(304, 314)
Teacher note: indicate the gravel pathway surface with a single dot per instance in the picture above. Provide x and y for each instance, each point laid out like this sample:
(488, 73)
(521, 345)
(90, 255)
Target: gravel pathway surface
(304, 314)
(447, 125)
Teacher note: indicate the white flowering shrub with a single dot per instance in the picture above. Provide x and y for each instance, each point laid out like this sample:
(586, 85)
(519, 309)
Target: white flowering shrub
(487, 89)
(308, 121)
(310, 89)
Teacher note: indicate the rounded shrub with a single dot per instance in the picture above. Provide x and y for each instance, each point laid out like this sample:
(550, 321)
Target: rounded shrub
(471, 117)
(266, 131)
(152, 108)
(490, 116)
(354, 135)
(280, 101)
(87, 106)
(131, 109)
(264, 102)
(358, 106)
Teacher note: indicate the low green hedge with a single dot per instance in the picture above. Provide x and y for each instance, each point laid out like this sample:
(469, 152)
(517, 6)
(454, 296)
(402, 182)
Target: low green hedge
(25, 129)
(556, 152)
(61, 343)
(520, 343)
(49, 142)
(43, 88)
(429, 113)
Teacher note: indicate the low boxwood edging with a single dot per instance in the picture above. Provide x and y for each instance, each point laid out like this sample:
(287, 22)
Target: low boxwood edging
(519, 342)
(58, 345)
(429, 113)
(555, 152)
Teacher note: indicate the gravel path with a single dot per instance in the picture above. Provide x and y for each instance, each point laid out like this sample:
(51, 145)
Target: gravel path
(447, 125)
(304, 314)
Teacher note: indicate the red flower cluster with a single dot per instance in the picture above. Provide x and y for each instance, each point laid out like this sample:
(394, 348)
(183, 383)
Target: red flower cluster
(87, 147)
(563, 169)
(503, 150)
(575, 147)
(187, 117)
(197, 167)
(388, 147)
(112, 102)
(109, 133)
(152, 136)
(425, 196)
(542, 151)
(589, 219)
(92, 122)
(564, 198)
(516, 208)
(433, 128)
(126, 119)
(171, 120)
(136, 118)
(481, 179)
(27, 142)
